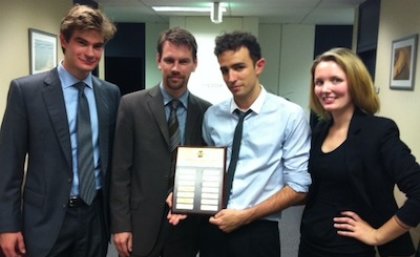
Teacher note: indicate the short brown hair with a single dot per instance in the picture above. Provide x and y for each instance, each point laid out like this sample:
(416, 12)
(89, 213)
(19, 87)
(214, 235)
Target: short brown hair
(82, 17)
(179, 37)
(360, 84)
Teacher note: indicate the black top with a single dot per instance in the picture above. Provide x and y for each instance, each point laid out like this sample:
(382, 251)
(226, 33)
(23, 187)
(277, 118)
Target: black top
(334, 194)
(375, 160)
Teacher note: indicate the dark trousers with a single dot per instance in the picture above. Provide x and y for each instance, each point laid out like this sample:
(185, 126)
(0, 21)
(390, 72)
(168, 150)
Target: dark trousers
(257, 239)
(181, 240)
(83, 232)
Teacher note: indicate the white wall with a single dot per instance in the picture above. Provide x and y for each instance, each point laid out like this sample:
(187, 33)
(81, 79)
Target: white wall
(270, 41)
(153, 30)
(399, 20)
(294, 55)
(16, 17)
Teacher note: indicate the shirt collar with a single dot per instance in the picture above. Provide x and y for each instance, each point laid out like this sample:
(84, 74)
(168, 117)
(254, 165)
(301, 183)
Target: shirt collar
(255, 106)
(167, 98)
(68, 80)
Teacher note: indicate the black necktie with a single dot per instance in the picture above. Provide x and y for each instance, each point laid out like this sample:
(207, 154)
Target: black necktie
(174, 133)
(87, 185)
(236, 145)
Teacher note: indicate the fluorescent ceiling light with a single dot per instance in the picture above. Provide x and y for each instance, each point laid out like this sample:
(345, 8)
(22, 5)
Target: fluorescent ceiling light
(216, 14)
(185, 9)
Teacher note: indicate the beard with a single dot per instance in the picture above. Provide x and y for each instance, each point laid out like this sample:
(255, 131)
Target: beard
(175, 82)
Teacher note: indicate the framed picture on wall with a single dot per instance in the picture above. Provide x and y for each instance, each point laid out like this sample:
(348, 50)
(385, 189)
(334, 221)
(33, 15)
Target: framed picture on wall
(42, 51)
(403, 62)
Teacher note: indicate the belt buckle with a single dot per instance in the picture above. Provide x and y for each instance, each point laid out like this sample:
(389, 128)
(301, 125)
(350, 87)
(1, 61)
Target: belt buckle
(75, 202)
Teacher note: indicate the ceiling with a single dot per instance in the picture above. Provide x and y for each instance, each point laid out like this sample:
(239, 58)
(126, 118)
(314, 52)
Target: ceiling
(268, 11)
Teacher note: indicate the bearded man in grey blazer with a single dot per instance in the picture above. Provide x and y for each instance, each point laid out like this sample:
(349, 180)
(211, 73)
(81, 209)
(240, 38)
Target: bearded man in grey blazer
(45, 210)
(141, 170)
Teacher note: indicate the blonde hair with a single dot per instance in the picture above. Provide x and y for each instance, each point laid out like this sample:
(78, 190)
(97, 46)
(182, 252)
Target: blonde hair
(83, 18)
(360, 84)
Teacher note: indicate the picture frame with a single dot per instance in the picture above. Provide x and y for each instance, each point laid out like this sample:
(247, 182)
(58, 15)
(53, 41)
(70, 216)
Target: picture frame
(42, 51)
(403, 63)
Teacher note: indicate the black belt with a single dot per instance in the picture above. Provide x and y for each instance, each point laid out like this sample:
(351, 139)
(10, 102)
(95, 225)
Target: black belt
(76, 202)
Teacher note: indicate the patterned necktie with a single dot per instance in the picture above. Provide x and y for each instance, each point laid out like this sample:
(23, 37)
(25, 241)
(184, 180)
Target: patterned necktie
(87, 185)
(174, 132)
(236, 145)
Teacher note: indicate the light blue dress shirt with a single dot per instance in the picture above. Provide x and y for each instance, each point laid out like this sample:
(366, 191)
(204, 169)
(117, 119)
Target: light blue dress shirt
(274, 149)
(71, 95)
(181, 111)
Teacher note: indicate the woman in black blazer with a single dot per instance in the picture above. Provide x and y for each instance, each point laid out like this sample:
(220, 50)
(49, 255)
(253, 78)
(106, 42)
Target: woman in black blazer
(356, 160)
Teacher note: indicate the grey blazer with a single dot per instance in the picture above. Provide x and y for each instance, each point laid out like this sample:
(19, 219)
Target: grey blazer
(35, 127)
(141, 164)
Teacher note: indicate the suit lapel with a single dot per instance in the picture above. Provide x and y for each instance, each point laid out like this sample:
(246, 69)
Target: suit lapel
(354, 160)
(155, 105)
(56, 108)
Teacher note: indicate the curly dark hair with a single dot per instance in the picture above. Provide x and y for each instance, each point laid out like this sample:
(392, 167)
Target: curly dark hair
(235, 40)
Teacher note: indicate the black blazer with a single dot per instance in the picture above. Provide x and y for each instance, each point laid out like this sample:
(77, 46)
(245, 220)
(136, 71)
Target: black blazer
(35, 127)
(376, 161)
(141, 164)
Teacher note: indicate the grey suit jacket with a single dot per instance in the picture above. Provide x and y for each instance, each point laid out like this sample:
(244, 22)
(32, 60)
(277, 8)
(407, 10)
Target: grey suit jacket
(141, 164)
(35, 127)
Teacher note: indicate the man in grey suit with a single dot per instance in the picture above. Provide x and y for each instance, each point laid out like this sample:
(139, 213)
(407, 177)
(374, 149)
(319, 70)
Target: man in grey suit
(45, 210)
(141, 170)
